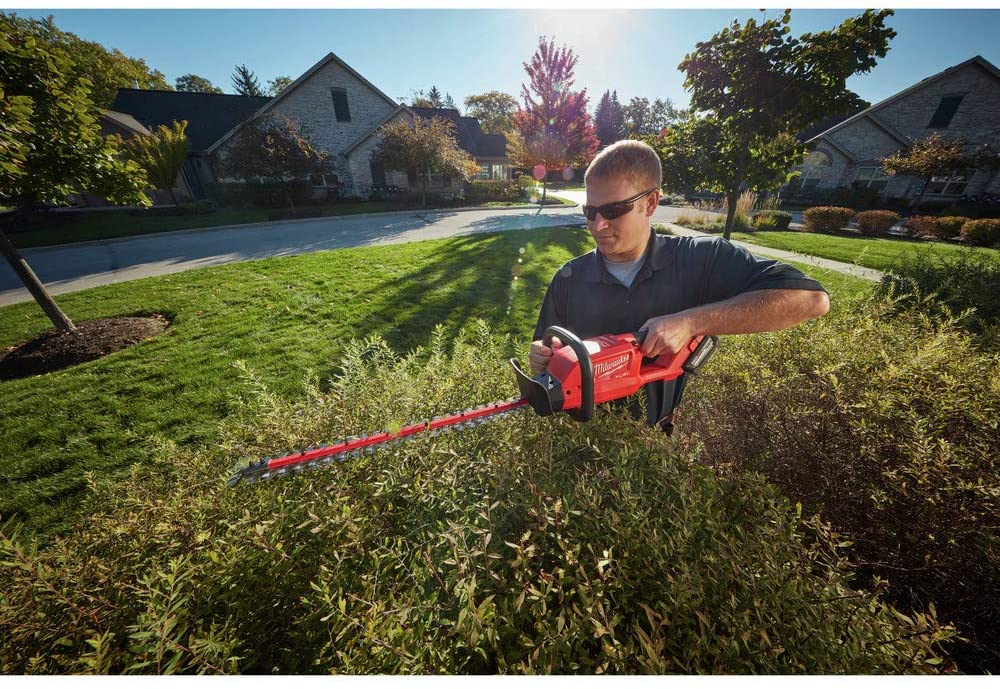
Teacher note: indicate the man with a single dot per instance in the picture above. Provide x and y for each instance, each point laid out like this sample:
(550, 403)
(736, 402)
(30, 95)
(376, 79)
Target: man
(675, 287)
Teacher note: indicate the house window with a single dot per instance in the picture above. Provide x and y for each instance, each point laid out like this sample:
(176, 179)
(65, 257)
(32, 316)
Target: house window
(498, 171)
(484, 172)
(945, 111)
(872, 178)
(813, 168)
(948, 185)
(340, 106)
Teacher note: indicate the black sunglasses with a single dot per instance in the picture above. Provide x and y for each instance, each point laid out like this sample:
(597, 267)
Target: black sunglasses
(615, 209)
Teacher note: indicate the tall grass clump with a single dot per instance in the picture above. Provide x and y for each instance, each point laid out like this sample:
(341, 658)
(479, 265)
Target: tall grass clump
(532, 545)
(884, 419)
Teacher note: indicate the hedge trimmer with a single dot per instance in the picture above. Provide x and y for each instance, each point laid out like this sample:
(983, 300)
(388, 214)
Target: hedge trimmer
(580, 375)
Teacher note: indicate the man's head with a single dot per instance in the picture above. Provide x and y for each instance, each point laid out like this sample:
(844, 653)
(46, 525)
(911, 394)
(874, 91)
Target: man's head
(620, 172)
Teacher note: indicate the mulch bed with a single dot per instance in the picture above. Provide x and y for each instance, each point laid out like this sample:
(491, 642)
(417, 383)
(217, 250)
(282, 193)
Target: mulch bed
(54, 350)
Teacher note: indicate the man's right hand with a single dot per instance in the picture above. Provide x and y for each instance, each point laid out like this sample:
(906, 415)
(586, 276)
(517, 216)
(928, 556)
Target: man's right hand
(539, 355)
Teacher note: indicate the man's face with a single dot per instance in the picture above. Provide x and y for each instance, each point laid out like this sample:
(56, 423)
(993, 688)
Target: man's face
(623, 238)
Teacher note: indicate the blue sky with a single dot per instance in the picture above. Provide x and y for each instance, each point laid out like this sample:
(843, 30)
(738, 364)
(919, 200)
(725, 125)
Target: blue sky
(471, 51)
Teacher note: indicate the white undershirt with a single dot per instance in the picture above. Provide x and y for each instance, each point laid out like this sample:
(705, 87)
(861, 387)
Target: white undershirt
(625, 272)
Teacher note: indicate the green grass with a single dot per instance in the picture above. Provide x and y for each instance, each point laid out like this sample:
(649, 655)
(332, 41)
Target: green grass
(877, 253)
(114, 224)
(282, 316)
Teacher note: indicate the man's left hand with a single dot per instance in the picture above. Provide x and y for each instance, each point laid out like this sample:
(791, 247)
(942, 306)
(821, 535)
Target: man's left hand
(667, 334)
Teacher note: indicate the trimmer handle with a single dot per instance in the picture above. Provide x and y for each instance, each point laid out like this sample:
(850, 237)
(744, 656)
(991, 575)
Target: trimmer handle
(586, 410)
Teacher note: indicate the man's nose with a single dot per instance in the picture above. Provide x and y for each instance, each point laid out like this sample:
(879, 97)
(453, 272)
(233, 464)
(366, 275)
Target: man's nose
(599, 221)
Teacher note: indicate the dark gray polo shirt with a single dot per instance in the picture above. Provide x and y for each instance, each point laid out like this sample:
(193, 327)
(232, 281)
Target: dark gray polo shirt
(677, 273)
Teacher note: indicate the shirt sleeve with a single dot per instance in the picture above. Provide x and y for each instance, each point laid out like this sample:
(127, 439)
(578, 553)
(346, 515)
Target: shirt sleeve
(732, 270)
(553, 308)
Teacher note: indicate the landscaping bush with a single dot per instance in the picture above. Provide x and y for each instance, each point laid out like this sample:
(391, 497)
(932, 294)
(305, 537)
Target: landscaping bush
(535, 545)
(263, 195)
(493, 190)
(918, 225)
(874, 223)
(826, 218)
(772, 220)
(982, 232)
(947, 227)
(884, 420)
(967, 280)
(526, 183)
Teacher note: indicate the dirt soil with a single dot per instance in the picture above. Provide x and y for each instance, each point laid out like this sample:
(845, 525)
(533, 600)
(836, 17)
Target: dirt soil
(54, 350)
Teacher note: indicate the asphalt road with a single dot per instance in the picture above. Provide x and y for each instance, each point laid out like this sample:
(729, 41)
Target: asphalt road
(73, 267)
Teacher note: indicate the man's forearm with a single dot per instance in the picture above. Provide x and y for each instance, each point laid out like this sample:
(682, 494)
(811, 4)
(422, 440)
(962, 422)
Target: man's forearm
(758, 311)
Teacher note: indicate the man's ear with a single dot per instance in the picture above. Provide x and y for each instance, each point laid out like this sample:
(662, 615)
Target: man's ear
(652, 201)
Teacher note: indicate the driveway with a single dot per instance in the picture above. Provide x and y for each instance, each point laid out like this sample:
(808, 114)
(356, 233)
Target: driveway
(73, 267)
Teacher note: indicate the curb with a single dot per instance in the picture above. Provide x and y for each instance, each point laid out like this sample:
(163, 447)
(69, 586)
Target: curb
(328, 218)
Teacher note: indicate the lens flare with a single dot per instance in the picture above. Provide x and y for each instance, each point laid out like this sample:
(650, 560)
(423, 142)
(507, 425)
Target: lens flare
(567, 173)
(538, 172)
(533, 198)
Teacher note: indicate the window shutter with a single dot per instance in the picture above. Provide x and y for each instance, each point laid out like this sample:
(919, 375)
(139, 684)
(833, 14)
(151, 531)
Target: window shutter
(340, 107)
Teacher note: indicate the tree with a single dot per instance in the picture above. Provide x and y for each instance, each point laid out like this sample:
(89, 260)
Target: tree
(107, 70)
(554, 125)
(701, 153)
(759, 85)
(644, 119)
(265, 149)
(196, 84)
(427, 145)
(431, 99)
(493, 109)
(937, 156)
(245, 82)
(278, 84)
(161, 154)
(51, 145)
(609, 119)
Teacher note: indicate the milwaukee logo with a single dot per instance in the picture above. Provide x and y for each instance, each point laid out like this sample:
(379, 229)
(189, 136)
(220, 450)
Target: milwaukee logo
(606, 368)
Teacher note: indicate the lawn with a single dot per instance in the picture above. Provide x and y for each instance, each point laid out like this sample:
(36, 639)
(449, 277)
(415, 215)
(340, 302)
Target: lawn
(117, 223)
(877, 253)
(284, 317)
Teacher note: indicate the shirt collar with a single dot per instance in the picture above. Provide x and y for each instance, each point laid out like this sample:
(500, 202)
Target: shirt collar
(655, 257)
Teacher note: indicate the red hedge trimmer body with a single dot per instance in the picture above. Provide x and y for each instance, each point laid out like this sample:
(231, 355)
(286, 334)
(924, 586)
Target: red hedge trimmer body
(580, 375)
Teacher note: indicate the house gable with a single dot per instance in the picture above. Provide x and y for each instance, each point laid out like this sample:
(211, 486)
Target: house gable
(309, 102)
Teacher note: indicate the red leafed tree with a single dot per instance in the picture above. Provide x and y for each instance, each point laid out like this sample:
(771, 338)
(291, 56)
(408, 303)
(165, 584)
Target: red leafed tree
(554, 127)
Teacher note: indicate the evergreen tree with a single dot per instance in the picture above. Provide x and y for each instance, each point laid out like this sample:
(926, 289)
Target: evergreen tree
(245, 82)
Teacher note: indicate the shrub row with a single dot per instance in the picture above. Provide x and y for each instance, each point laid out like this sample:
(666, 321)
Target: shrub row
(883, 418)
(534, 545)
(984, 232)
(772, 220)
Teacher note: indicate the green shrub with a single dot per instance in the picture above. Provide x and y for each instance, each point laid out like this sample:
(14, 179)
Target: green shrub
(947, 227)
(527, 184)
(982, 232)
(772, 220)
(534, 545)
(826, 218)
(874, 223)
(493, 190)
(968, 280)
(884, 419)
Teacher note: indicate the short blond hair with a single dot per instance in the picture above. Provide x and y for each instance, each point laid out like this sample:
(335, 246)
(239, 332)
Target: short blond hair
(636, 161)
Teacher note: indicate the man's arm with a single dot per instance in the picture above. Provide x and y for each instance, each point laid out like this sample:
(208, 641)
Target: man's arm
(758, 311)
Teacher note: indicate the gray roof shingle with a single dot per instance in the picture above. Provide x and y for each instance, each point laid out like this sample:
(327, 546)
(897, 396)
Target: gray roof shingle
(209, 115)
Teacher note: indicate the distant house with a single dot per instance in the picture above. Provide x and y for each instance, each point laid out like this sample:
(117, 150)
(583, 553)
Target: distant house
(341, 112)
(962, 101)
(209, 116)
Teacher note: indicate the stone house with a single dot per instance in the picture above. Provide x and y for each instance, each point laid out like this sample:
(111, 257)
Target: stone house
(963, 101)
(341, 113)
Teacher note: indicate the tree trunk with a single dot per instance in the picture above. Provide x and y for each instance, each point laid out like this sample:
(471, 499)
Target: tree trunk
(731, 198)
(288, 196)
(35, 286)
(423, 194)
